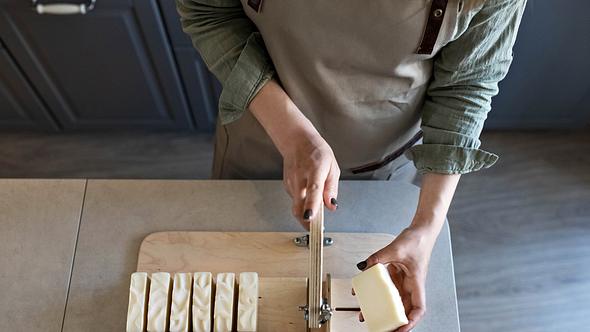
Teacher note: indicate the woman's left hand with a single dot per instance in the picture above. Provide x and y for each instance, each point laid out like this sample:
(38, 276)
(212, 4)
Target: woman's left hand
(408, 255)
(407, 259)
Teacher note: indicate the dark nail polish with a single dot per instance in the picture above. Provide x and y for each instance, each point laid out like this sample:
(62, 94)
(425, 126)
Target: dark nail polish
(362, 265)
(307, 214)
(334, 202)
(361, 319)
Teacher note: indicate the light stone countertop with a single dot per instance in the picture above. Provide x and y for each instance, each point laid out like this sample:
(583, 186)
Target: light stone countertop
(117, 215)
(38, 225)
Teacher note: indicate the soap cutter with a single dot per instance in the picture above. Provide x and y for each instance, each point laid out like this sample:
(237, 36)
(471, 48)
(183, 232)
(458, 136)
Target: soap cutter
(319, 311)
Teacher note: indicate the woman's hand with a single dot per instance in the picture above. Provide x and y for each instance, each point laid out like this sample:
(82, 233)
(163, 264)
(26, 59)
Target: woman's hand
(409, 254)
(310, 170)
(310, 176)
(407, 259)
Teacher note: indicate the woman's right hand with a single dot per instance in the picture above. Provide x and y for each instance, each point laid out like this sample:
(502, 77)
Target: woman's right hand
(310, 169)
(310, 176)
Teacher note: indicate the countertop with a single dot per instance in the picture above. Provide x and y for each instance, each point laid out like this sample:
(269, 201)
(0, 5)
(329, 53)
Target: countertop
(73, 244)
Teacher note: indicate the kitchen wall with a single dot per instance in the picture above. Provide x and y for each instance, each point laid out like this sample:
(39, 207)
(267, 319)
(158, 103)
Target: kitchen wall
(548, 85)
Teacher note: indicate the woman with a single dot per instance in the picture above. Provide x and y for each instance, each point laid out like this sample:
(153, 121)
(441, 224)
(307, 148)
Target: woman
(315, 91)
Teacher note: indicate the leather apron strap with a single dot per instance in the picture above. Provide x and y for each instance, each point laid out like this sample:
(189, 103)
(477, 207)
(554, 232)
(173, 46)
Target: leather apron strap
(435, 20)
(256, 5)
(389, 158)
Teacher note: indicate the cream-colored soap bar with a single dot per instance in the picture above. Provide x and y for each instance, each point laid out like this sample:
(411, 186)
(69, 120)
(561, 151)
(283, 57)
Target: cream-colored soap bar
(181, 300)
(224, 302)
(138, 296)
(247, 302)
(159, 302)
(202, 301)
(379, 299)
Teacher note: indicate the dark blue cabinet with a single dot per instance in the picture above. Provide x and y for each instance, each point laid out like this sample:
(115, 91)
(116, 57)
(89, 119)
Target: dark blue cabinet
(19, 105)
(113, 67)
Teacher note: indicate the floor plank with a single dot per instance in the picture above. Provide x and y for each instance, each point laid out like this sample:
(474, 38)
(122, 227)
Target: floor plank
(114, 155)
(521, 235)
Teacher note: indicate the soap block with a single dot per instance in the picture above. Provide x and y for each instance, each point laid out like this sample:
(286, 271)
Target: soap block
(379, 299)
(159, 302)
(181, 300)
(247, 302)
(202, 301)
(224, 302)
(138, 299)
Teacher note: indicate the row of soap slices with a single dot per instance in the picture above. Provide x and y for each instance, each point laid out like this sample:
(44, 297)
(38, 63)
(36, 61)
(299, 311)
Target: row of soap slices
(194, 302)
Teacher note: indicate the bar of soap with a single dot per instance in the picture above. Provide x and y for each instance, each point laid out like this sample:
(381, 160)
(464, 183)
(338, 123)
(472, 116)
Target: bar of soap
(159, 302)
(138, 296)
(202, 301)
(181, 300)
(247, 302)
(224, 302)
(379, 299)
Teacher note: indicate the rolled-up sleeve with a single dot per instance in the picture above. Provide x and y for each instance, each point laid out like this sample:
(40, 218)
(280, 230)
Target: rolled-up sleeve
(231, 47)
(465, 78)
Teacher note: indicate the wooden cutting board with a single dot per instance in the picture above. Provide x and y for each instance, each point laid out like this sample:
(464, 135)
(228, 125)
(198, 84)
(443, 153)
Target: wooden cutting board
(281, 265)
(271, 254)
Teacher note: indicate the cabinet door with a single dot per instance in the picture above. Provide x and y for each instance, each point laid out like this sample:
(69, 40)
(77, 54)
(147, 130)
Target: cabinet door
(19, 106)
(172, 19)
(112, 67)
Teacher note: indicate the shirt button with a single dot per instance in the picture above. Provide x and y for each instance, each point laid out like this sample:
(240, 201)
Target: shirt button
(437, 13)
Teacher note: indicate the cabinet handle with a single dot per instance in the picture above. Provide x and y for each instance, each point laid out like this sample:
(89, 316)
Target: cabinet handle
(64, 8)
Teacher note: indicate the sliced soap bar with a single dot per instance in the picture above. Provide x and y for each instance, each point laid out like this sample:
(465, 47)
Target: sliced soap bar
(181, 300)
(138, 297)
(159, 302)
(379, 300)
(247, 302)
(202, 301)
(224, 302)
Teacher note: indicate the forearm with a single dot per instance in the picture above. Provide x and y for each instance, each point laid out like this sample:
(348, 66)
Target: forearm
(310, 169)
(434, 202)
(279, 116)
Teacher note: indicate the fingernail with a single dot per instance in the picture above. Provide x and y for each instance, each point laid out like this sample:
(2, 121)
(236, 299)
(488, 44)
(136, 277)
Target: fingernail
(334, 202)
(307, 214)
(361, 319)
(362, 265)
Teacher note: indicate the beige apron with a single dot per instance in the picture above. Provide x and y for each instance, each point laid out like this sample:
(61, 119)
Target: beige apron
(352, 67)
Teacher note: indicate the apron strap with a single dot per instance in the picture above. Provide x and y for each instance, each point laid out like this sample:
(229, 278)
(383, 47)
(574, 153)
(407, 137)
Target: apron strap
(389, 158)
(255, 4)
(435, 19)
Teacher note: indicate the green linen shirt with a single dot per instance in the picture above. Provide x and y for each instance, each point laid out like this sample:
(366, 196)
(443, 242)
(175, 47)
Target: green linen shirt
(465, 75)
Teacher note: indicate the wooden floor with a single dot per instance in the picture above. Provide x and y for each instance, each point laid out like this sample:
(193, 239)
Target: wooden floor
(521, 230)
(521, 236)
(135, 155)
